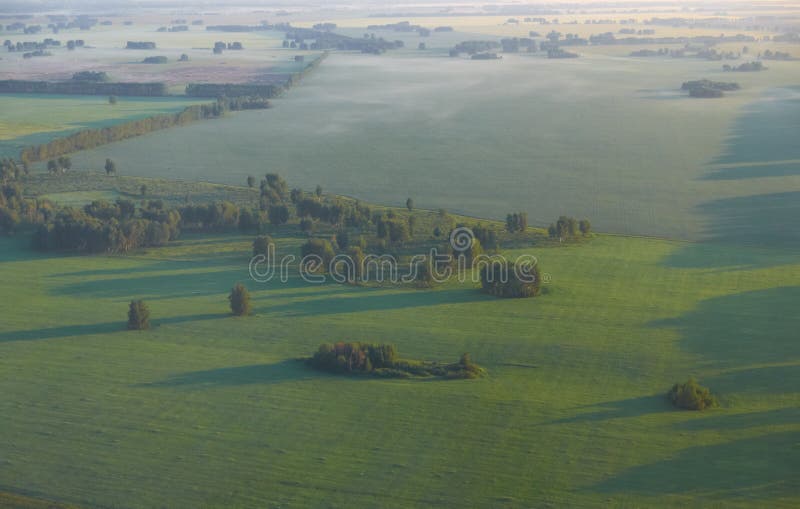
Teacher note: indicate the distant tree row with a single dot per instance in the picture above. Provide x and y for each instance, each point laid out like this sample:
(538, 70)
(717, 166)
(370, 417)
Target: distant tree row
(91, 138)
(569, 228)
(517, 222)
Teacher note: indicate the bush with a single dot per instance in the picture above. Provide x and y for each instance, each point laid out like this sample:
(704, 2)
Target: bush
(502, 279)
(261, 245)
(138, 315)
(240, 300)
(691, 396)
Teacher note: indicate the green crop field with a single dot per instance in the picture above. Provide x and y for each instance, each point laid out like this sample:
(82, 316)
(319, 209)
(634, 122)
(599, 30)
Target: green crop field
(31, 119)
(207, 409)
(602, 137)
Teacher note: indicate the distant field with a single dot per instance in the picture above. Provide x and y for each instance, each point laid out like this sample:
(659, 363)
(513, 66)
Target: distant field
(262, 59)
(209, 410)
(603, 137)
(30, 119)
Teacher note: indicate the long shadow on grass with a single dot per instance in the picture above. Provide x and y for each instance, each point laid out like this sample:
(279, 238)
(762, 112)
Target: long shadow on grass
(69, 331)
(781, 416)
(369, 299)
(744, 332)
(622, 409)
(771, 169)
(754, 468)
(237, 375)
(746, 232)
(766, 131)
(156, 287)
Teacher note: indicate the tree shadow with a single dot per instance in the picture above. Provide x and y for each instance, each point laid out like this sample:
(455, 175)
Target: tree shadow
(289, 370)
(789, 415)
(621, 409)
(743, 330)
(156, 287)
(366, 300)
(68, 331)
(749, 171)
(760, 380)
(751, 231)
(726, 257)
(754, 468)
(766, 131)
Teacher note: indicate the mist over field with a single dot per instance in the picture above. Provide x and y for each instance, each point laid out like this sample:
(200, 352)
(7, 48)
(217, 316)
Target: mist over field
(601, 136)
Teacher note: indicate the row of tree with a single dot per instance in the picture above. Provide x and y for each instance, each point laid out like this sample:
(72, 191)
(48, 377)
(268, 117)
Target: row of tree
(91, 138)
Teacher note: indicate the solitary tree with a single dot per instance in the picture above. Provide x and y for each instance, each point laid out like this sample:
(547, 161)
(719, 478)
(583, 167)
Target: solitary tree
(111, 168)
(112, 99)
(251, 181)
(138, 315)
(410, 204)
(318, 191)
(143, 190)
(240, 300)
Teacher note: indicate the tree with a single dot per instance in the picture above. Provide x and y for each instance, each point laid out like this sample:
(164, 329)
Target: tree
(239, 300)
(410, 204)
(691, 396)
(138, 315)
(318, 191)
(52, 166)
(111, 168)
(112, 100)
(251, 181)
(278, 214)
(261, 245)
(143, 190)
(585, 226)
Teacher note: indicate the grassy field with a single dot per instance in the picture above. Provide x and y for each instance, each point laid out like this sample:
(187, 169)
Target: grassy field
(32, 119)
(210, 410)
(602, 137)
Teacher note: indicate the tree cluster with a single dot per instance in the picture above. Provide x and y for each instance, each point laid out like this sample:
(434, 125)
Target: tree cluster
(516, 222)
(509, 280)
(691, 396)
(569, 228)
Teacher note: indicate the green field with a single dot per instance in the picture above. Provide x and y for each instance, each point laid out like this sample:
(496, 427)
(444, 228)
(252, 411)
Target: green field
(210, 410)
(601, 137)
(32, 119)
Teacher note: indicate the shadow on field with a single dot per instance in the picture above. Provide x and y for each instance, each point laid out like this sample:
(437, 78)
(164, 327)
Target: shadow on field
(752, 468)
(69, 331)
(724, 257)
(156, 287)
(789, 415)
(633, 407)
(743, 332)
(766, 131)
(771, 169)
(752, 231)
(237, 375)
(366, 300)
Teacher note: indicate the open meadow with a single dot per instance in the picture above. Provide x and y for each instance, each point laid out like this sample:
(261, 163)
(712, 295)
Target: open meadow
(208, 409)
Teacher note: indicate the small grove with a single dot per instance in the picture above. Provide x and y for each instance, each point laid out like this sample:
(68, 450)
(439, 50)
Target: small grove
(381, 360)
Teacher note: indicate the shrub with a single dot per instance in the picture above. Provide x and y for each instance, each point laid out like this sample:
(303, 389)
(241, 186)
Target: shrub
(318, 247)
(138, 315)
(691, 396)
(506, 279)
(240, 300)
(261, 245)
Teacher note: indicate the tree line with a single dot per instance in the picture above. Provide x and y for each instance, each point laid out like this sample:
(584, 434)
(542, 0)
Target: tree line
(91, 138)
(83, 87)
